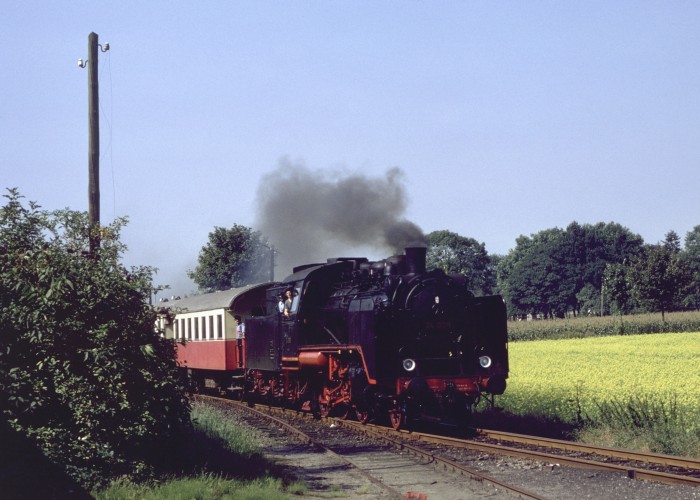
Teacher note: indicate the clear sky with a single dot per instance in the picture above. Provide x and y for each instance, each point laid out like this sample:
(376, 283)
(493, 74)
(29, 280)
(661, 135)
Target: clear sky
(504, 118)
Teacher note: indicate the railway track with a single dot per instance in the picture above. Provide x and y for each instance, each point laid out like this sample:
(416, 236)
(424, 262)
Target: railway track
(554, 462)
(666, 469)
(654, 467)
(410, 474)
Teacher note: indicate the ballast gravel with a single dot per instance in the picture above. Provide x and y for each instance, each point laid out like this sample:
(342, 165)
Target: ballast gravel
(407, 477)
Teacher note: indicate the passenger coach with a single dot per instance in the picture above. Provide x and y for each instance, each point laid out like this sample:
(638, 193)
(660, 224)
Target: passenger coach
(211, 354)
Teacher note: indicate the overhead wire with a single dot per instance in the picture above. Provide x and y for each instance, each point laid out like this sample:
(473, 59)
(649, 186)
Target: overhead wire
(108, 119)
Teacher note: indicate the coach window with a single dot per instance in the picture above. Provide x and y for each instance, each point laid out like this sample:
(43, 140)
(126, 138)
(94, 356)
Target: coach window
(211, 327)
(175, 329)
(189, 329)
(219, 326)
(205, 333)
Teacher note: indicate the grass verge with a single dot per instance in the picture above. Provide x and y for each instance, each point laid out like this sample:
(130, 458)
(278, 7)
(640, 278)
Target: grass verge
(218, 460)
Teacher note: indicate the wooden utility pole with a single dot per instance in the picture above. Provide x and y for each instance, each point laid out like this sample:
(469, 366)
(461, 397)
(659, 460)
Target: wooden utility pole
(94, 127)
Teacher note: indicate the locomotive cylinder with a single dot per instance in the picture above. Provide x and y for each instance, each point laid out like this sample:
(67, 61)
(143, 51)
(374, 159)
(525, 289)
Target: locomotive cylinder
(313, 360)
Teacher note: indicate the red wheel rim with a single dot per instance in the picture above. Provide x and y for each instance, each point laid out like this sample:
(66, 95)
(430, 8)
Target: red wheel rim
(396, 419)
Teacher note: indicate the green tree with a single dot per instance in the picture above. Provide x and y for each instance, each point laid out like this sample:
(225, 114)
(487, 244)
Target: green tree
(672, 242)
(556, 271)
(457, 254)
(232, 258)
(618, 287)
(83, 373)
(605, 243)
(660, 279)
(531, 275)
(691, 256)
(589, 300)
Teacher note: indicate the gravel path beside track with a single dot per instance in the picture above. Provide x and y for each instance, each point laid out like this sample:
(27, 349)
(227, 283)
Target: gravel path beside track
(397, 473)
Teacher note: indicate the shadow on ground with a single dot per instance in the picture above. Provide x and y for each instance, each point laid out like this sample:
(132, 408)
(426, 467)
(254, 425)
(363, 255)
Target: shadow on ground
(26, 473)
(200, 453)
(537, 426)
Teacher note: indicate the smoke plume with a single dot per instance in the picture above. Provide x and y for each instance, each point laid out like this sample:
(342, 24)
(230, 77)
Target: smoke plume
(312, 215)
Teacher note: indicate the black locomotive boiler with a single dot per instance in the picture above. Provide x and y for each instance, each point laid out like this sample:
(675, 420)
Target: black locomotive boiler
(378, 339)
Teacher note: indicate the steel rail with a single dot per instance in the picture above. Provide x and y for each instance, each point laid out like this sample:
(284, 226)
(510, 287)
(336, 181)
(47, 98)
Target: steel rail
(306, 439)
(652, 458)
(446, 464)
(386, 434)
(631, 472)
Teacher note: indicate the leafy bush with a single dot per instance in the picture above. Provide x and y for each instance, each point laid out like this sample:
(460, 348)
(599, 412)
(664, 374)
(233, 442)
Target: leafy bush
(82, 371)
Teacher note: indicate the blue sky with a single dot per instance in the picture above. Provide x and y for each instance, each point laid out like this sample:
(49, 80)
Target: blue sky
(505, 118)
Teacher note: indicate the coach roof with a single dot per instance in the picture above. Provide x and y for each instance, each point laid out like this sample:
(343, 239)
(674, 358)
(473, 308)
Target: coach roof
(223, 299)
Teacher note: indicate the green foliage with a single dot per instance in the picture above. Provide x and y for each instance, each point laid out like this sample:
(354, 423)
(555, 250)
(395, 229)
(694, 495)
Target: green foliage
(457, 254)
(659, 278)
(232, 258)
(691, 256)
(599, 267)
(535, 276)
(580, 327)
(617, 286)
(83, 374)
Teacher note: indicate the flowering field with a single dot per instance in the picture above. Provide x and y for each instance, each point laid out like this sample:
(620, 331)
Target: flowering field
(558, 378)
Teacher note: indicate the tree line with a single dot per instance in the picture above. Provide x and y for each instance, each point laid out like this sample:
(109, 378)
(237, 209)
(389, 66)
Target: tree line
(584, 269)
(599, 269)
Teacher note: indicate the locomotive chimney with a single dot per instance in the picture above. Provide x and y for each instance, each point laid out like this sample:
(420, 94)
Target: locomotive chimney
(415, 258)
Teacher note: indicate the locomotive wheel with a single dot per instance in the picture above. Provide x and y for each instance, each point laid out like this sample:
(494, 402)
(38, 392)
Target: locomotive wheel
(362, 415)
(324, 408)
(342, 411)
(463, 414)
(397, 419)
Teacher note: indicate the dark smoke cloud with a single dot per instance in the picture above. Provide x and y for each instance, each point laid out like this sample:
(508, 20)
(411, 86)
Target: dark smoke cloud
(310, 215)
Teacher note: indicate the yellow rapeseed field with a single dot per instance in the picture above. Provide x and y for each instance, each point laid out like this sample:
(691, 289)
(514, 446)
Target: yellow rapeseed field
(555, 378)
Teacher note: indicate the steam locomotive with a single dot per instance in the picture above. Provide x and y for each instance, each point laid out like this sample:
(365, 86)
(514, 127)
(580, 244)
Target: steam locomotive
(383, 339)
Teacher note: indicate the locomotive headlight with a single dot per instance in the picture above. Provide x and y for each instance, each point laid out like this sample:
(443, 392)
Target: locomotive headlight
(484, 361)
(409, 365)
